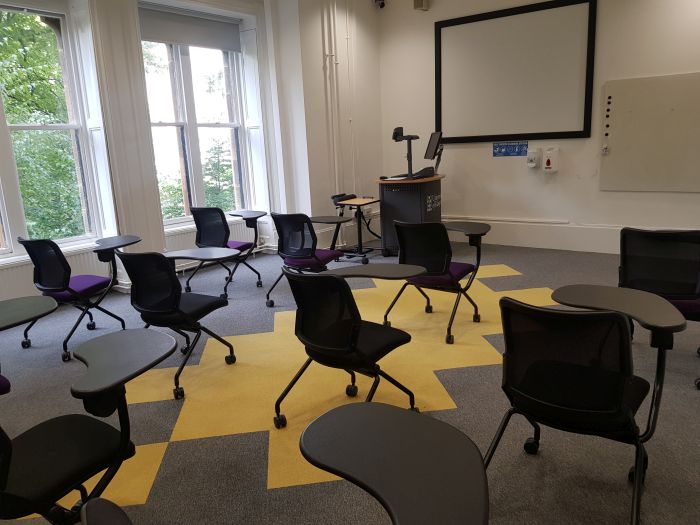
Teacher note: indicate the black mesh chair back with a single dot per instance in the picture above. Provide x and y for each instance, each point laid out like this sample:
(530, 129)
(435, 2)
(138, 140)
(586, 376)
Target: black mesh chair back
(155, 287)
(297, 238)
(564, 362)
(327, 316)
(51, 269)
(662, 262)
(426, 245)
(212, 228)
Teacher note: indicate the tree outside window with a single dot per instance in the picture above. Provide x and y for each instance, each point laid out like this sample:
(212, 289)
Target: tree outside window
(43, 131)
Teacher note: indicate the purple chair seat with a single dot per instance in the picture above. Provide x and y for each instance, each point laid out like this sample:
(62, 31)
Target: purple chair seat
(85, 285)
(241, 246)
(457, 271)
(316, 264)
(690, 308)
(4, 385)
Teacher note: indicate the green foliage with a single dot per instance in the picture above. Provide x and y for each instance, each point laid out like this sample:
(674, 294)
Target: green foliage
(219, 191)
(30, 71)
(218, 177)
(171, 200)
(31, 82)
(48, 183)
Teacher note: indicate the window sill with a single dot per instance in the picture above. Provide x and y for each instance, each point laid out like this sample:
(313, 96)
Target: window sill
(12, 261)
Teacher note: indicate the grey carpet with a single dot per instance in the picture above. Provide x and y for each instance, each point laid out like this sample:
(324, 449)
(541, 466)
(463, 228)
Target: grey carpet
(574, 479)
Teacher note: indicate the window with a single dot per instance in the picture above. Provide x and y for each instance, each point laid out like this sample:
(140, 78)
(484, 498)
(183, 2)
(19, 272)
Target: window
(194, 101)
(43, 140)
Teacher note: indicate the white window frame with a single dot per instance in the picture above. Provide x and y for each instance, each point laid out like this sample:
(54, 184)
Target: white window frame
(11, 209)
(187, 122)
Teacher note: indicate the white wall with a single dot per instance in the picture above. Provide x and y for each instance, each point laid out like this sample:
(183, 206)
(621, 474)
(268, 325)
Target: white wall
(341, 72)
(339, 57)
(635, 38)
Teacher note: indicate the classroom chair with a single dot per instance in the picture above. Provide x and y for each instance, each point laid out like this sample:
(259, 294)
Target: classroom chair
(329, 326)
(572, 371)
(428, 245)
(52, 276)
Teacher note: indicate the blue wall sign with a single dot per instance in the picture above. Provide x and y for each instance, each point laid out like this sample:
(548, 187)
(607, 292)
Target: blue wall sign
(510, 149)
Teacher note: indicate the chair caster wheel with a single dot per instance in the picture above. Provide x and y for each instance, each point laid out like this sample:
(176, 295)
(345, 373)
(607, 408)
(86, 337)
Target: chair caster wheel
(531, 446)
(65, 357)
(450, 339)
(224, 296)
(259, 284)
(365, 260)
(697, 383)
(179, 392)
(230, 359)
(91, 325)
(184, 349)
(270, 303)
(415, 409)
(387, 323)
(386, 253)
(429, 309)
(280, 421)
(351, 390)
(476, 318)
(188, 289)
(26, 343)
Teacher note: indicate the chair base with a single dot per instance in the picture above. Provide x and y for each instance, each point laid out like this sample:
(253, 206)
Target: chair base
(532, 445)
(178, 391)
(351, 253)
(280, 420)
(84, 307)
(449, 338)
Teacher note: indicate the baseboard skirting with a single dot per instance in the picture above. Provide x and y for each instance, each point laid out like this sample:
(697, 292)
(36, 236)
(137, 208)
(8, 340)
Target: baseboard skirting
(555, 234)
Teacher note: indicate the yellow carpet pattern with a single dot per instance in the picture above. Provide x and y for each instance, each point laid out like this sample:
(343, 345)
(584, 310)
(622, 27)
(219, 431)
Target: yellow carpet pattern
(225, 400)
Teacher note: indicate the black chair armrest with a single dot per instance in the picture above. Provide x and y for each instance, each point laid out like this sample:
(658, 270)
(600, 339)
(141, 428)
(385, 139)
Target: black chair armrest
(115, 359)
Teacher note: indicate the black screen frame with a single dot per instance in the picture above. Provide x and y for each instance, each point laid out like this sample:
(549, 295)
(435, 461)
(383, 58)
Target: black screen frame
(584, 132)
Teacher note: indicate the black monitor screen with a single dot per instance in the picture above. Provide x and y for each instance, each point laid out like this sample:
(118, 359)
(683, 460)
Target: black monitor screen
(433, 145)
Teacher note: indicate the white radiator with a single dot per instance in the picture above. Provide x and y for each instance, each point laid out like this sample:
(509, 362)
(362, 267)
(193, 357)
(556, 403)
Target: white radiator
(17, 280)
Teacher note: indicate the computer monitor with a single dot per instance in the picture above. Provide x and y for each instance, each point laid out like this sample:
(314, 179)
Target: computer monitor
(433, 145)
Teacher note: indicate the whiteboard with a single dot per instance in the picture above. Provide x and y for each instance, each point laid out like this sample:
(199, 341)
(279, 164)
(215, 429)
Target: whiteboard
(520, 73)
(653, 134)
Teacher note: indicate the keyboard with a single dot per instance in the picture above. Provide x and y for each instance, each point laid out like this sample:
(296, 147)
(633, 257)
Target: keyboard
(424, 173)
